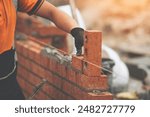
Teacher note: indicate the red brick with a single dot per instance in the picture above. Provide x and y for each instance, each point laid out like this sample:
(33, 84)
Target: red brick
(23, 61)
(21, 71)
(21, 82)
(35, 56)
(56, 81)
(25, 86)
(55, 93)
(78, 76)
(18, 46)
(92, 46)
(91, 83)
(91, 69)
(71, 75)
(33, 79)
(48, 75)
(38, 70)
(73, 90)
(77, 62)
(25, 45)
(52, 64)
(48, 90)
(44, 61)
(34, 51)
(62, 70)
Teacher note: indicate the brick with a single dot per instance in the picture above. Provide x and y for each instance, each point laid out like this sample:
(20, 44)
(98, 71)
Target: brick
(56, 81)
(56, 67)
(48, 75)
(25, 45)
(62, 70)
(92, 47)
(69, 88)
(52, 65)
(25, 86)
(18, 46)
(44, 61)
(50, 62)
(37, 69)
(90, 83)
(23, 61)
(77, 62)
(54, 93)
(34, 55)
(74, 91)
(91, 69)
(71, 75)
(21, 82)
(33, 79)
(78, 76)
(21, 71)
(48, 90)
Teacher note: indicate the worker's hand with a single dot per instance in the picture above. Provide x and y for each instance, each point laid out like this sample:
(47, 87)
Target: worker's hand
(78, 34)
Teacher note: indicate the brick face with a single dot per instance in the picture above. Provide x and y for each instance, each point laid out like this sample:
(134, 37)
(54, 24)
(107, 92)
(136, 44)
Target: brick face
(75, 80)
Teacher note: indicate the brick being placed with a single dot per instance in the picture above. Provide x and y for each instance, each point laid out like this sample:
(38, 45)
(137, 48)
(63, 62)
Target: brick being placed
(46, 72)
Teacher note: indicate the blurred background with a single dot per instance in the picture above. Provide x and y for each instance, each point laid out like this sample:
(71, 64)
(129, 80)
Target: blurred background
(123, 21)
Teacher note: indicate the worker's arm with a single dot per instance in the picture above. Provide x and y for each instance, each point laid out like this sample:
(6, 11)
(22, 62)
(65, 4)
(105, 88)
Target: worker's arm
(64, 22)
(61, 19)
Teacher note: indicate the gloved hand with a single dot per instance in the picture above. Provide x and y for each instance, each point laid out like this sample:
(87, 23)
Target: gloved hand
(78, 34)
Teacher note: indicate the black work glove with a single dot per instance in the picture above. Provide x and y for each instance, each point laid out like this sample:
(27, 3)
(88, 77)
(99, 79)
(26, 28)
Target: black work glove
(78, 34)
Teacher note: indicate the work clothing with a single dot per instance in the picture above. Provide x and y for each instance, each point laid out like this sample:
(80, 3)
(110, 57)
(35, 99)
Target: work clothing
(8, 19)
(7, 63)
(9, 88)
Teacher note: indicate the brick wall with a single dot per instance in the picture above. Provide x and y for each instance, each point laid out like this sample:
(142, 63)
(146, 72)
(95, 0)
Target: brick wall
(45, 72)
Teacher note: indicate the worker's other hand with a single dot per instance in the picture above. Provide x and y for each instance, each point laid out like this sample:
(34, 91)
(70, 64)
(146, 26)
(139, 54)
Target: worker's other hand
(78, 34)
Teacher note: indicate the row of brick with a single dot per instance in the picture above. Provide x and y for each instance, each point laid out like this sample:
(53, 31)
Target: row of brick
(51, 91)
(40, 64)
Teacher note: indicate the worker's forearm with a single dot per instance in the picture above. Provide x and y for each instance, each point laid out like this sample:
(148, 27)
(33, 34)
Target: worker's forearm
(61, 19)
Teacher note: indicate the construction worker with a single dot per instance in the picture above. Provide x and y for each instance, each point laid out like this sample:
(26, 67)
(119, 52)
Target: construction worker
(9, 88)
